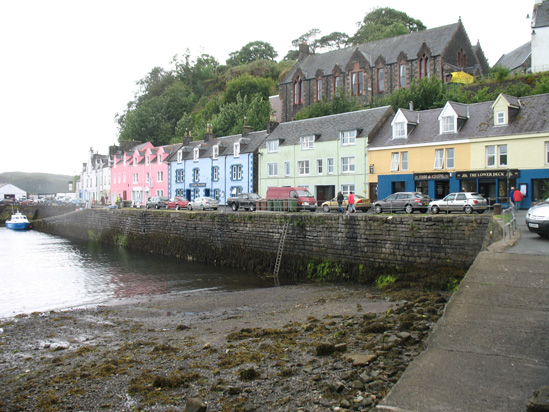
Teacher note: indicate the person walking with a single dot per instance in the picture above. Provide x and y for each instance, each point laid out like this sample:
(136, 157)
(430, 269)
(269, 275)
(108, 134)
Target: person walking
(511, 193)
(340, 199)
(518, 198)
(351, 203)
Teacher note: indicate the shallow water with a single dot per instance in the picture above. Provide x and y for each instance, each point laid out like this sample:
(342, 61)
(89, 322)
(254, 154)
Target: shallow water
(40, 272)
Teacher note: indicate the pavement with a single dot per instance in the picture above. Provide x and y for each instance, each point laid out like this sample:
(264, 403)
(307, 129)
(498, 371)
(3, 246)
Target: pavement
(490, 349)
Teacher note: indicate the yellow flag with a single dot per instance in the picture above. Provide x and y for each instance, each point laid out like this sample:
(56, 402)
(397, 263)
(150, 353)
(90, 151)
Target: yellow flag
(462, 77)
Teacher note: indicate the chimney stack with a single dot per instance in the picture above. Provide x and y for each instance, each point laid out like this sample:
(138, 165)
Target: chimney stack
(272, 124)
(303, 51)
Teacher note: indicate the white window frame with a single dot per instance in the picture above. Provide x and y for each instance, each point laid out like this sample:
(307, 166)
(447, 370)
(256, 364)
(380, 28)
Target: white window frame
(307, 142)
(215, 151)
(196, 154)
(402, 75)
(215, 173)
(348, 164)
(272, 169)
(348, 137)
(448, 124)
(399, 131)
(287, 168)
(135, 178)
(159, 177)
(236, 149)
(159, 158)
(236, 172)
(319, 89)
(179, 175)
(124, 178)
(147, 160)
(395, 161)
(439, 158)
(502, 151)
(491, 156)
(450, 158)
(547, 153)
(330, 165)
(179, 156)
(196, 175)
(404, 161)
(501, 118)
(303, 167)
(347, 188)
(159, 192)
(272, 146)
(319, 166)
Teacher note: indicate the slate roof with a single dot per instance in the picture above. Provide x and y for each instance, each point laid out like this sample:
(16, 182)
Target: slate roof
(327, 128)
(436, 39)
(541, 16)
(515, 58)
(532, 117)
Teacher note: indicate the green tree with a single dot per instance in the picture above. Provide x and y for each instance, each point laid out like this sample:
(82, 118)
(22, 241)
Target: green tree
(231, 116)
(383, 23)
(341, 103)
(256, 50)
(199, 74)
(332, 41)
(248, 85)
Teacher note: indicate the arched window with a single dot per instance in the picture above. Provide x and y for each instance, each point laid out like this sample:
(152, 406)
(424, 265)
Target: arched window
(461, 58)
(424, 67)
(298, 91)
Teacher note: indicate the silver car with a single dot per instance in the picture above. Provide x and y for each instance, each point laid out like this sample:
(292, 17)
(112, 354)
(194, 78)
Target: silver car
(467, 202)
(203, 203)
(537, 219)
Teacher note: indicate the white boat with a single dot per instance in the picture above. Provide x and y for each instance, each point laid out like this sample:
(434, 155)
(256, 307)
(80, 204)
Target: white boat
(18, 221)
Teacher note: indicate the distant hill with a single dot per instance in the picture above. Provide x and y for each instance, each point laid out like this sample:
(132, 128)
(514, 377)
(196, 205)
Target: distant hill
(37, 183)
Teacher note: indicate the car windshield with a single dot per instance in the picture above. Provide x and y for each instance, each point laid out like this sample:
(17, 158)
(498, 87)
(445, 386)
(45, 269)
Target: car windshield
(163, 199)
(304, 193)
(254, 196)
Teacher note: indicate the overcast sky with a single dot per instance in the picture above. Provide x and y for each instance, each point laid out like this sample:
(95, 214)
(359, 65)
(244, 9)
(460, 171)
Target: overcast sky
(68, 66)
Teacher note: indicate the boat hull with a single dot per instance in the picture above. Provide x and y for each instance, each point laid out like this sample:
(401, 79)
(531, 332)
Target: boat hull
(18, 226)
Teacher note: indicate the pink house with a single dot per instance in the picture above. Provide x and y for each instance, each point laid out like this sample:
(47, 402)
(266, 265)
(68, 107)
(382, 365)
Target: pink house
(140, 173)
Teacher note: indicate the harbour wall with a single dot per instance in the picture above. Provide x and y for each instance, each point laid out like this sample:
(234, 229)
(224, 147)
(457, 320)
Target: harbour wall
(431, 250)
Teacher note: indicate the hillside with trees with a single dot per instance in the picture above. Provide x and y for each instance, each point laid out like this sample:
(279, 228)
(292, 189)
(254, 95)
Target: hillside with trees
(198, 90)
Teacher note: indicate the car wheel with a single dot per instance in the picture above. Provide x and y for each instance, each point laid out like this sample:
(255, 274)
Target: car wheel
(435, 210)
(326, 208)
(409, 209)
(177, 207)
(378, 209)
(156, 207)
(480, 212)
(468, 209)
(203, 207)
(234, 207)
(189, 207)
(252, 208)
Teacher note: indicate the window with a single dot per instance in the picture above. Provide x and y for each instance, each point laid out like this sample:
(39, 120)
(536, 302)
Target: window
(298, 91)
(196, 154)
(272, 146)
(124, 178)
(287, 168)
(148, 178)
(424, 67)
(318, 89)
(319, 166)
(159, 176)
(159, 159)
(196, 193)
(357, 83)
(547, 153)
(216, 194)
(179, 175)
(147, 160)
(400, 130)
(346, 189)
(331, 167)
(307, 142)
(402, 75)
(303, 167)
(159, 192)
(118, 177)
(348, 138)
(448, 124)
(236, 172)
(337, 85)
(439, 158)
(179, 156)
(502, 155)
(196, 175)
(490, 156)
(215, 151)
(450, 162)
(348, 164)
(404, 160)
(135, 161)
(135, 178)
(236, 149)
(215, 173)
(272, 169)
(395, 160)
(380, 80)
(500, 118)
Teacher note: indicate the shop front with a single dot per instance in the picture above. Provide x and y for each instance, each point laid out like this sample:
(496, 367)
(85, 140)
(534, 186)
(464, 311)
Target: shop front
(494, 185)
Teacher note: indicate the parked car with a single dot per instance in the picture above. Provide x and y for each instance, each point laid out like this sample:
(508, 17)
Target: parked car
(361, 204)
(305, 199)
(467, 202)
(408, 202)
(245, 201)
(177, 203)
(203, 203)
(157, 202)
(537, 219)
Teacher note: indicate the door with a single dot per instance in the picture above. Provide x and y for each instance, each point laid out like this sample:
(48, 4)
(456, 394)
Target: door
(460, 202)
(448, 203)
(442, 188)
(373, 192)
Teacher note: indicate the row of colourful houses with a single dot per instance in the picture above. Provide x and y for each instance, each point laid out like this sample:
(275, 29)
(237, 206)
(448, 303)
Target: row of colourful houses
(486, 147)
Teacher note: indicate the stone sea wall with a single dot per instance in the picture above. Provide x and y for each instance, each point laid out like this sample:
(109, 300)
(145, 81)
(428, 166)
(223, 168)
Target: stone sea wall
(318, 246)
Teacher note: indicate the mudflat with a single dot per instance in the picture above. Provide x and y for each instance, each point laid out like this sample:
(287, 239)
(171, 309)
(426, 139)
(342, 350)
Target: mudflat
(289, 348)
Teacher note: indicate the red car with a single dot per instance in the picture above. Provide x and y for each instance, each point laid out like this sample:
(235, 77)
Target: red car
(177, 203)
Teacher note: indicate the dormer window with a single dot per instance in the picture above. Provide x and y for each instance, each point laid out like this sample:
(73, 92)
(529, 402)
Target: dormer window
(272, 146)
(307, 142)
(135, 161)
(215, 151)
(399, 130)
(179, 156)
(348, 138)
(448, 124)
(159, 158)
(236, 149)
(196, 154)
(501, 118)
(147, 160)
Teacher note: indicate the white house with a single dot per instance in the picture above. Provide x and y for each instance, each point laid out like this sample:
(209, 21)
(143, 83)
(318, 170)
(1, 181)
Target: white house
(540, 36)
(9, 191)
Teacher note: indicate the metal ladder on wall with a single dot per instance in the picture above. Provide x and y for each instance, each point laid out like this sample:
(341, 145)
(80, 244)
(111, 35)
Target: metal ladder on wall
(279, 254)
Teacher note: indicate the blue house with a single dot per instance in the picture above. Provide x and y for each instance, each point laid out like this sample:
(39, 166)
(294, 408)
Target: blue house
(216, 167)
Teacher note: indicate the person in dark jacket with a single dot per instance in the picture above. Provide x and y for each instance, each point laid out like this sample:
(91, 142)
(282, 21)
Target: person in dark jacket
(340, 199)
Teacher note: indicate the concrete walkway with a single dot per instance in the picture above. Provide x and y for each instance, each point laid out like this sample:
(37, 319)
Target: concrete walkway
(490, 350)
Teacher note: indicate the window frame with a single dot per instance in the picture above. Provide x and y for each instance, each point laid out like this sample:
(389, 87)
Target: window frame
(330, 165)
(159, 176)
(303, 167)
(399, 131)
(501, 155)
(215, 151)
(319, 166)
(236, 149)
(357, 83)
(402, 75)
(395, 162)
(450, 160)
(439, 159)
(319, 88)
(348, 137)
(180, 156)
(272, 146)
(272, 169)
(490, 153)
(307, 142)
(215, 173)
(179, 175)
(287, 168)
(380, 79)
(196, 174)
(547, 153)
(196, 154)
(448, 124)
(404, 161)
(348, 164)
